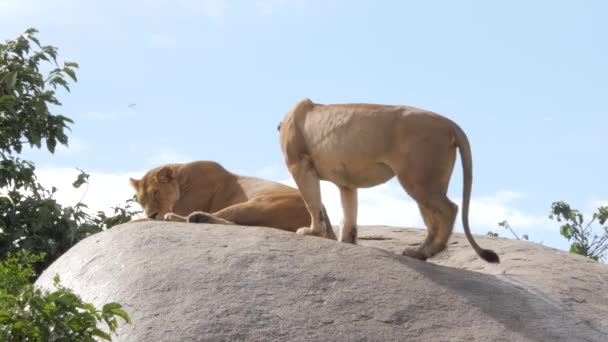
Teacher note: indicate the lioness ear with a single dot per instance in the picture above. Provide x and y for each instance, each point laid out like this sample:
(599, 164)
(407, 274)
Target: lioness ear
(134, 183)
(165, 174)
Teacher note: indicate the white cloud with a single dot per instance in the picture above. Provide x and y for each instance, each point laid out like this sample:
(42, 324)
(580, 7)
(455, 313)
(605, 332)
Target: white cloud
(377, 206)
(105, 190)
(388, 204)
(487, 211)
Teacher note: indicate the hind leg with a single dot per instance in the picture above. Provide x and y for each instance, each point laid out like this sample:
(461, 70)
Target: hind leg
(282, 210)
(439, 214)
(431, 233)
(348, 226)
(425, 173)
(308, 183)
(203, 217)
(196, 217)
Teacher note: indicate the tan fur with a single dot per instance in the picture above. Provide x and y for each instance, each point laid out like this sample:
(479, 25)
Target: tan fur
(363, 145)
(203, 191)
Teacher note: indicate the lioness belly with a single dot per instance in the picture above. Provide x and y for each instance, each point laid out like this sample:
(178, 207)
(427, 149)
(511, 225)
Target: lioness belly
(353, 174)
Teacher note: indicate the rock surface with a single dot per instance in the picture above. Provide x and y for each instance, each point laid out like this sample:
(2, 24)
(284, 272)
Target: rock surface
(183, 282)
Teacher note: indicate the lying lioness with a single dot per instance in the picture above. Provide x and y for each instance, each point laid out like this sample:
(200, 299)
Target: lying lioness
(204, 191)
(363, 145)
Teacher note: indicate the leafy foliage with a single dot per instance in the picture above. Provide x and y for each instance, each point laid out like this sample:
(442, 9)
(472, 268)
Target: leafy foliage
(30, 218)
(26, 95)
(28, 313)
(16, 271)
(34, 228)
(584, 240)
(37, 223)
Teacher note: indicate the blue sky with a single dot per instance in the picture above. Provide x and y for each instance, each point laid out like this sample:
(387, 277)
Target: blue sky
(526, 80)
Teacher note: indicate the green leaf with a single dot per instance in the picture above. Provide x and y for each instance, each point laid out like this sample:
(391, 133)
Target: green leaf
(31, 31)
(5, 316)
(10, 298)
(82, 178)
(71, 64)
(110, 306)
(122, 314)
(5, 99)
(565, 231)
(51, 144)
(71, 73)
(102, 334)
(10, 80)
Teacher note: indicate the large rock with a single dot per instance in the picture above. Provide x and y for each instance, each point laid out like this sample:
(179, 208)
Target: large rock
(184, 282)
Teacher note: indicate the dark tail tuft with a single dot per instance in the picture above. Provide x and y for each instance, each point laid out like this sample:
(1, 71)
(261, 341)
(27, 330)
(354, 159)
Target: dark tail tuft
(489, 256)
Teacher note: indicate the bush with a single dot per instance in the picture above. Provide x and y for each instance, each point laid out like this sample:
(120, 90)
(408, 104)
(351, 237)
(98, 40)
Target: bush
(30, 218)
(28, 313)
(34, 228)
(584, 240)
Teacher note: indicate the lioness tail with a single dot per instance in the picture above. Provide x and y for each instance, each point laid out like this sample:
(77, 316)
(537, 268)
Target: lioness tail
(467, 173)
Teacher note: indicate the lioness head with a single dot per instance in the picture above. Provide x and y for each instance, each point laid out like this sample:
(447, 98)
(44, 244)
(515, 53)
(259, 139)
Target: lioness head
(157, 191)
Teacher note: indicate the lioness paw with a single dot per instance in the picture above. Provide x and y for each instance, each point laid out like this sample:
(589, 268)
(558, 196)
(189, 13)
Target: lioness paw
(304, 231)
(198, 218)
(349, 236)
(414, 253)
(173, 217)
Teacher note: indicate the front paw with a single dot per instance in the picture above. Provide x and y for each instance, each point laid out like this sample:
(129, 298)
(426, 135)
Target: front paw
(173, 217)
(348, 235)
(304, 231)
(199, 217)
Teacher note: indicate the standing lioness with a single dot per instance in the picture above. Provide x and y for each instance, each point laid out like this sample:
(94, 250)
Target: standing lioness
(205, 192)
(363, 145)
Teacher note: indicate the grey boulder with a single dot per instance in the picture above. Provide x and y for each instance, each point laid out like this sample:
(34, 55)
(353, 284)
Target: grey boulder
(186, 282)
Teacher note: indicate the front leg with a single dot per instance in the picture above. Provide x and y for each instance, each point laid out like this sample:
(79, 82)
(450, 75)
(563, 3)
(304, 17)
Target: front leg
(174, 218)
(308, 183)
(348, 226)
